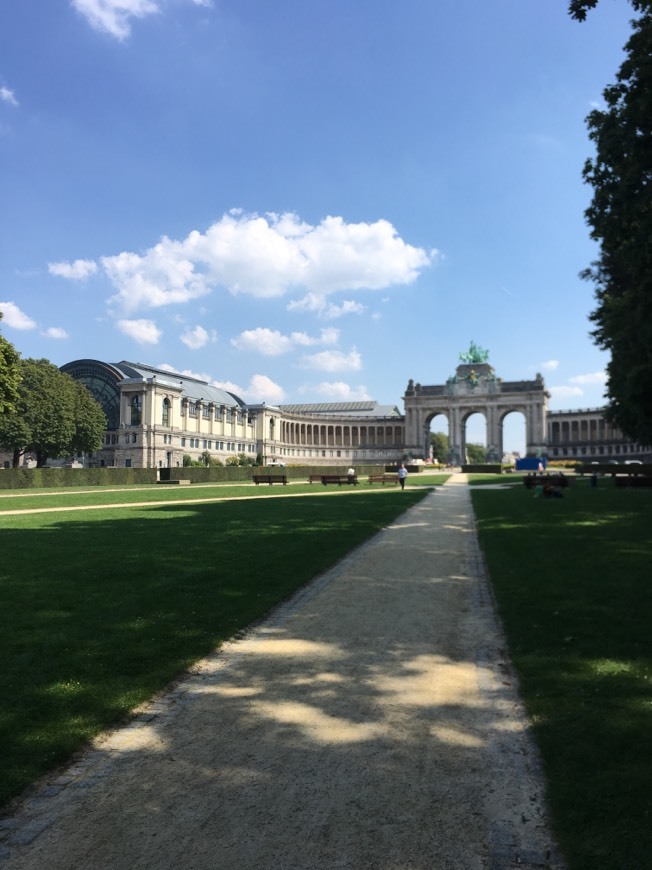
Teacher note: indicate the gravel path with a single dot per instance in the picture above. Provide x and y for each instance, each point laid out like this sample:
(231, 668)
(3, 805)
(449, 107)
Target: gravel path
(372, 723)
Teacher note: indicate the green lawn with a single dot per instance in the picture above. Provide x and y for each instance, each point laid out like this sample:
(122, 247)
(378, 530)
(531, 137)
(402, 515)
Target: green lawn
(100, 609)
(573, 581)
(41, 499)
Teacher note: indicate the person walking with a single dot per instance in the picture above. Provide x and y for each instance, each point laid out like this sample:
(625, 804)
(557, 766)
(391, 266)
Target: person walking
(402, 474)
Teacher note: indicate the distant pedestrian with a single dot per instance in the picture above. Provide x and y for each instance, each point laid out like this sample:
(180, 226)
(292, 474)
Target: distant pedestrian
(402, 474)
(351, 475)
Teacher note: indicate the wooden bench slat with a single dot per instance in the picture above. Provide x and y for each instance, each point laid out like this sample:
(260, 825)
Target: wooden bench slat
(270, 478)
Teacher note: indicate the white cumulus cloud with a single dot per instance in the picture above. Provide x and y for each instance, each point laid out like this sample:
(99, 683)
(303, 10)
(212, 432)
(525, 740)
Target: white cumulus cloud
(14, 317)
(271, 342)
(565, 392)
(79, 270)
(196, 338)
(263, 389)
(323, 308)
(550, 365)
(591, 378)
(7, 96)
(142, 331)
(336, 391)
(114, 16)
(333, 361)
(55, 332)
(266, 256)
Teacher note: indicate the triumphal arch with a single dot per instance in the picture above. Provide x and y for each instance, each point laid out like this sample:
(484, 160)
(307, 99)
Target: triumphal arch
(475, 389)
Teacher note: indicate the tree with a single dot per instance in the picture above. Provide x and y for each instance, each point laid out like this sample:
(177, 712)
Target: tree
(54, 416)
(439, 443)
(89, 418)
(9, 374)
(476, 453)
(620, 218)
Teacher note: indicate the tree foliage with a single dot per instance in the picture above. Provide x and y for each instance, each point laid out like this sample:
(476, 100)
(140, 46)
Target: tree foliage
(476, 453)
(54, 415)
(578, 8)
(9, 374)
(620, 218)
(439, 441)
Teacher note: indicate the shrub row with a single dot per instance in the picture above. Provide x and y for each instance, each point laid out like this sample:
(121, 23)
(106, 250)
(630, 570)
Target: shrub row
(59, 478)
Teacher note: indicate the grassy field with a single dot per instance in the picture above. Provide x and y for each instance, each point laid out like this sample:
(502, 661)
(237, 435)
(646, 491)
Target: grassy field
(11, 500)
(573, 581)
(100, 609)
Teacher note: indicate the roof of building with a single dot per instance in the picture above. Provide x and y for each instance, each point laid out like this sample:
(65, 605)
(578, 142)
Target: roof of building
(191, 387)
(352, 409)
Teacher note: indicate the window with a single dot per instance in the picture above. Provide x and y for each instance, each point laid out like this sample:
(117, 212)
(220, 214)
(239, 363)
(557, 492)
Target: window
(127, 463)
(206, 412)
(193, 408)
(183, 442)
(136, 411)
(165, 417)
(134, 437)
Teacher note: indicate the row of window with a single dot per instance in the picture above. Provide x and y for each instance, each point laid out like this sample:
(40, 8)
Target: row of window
(136, 408)
(232, 446)
(115, 439)
(596, 451)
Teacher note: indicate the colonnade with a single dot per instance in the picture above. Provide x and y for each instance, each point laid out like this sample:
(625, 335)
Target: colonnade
(376, 434)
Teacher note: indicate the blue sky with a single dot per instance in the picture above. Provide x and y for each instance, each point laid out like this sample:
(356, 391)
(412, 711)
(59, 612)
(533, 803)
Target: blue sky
(303, 201)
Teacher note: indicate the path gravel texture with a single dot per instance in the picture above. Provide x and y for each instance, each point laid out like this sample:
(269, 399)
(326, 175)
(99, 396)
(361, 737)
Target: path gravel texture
(371, 723)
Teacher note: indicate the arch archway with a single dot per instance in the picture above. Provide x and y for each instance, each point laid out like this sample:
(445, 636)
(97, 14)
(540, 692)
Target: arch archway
(474, 388)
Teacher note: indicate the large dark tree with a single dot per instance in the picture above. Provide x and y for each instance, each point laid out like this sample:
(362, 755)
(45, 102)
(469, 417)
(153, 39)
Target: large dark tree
(54, 416)
(9, 374)
(620, 217)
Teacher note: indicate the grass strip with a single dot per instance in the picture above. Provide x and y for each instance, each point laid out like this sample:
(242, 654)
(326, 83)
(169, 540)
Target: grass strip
(102, 609)
(93, 498)
(572, 581)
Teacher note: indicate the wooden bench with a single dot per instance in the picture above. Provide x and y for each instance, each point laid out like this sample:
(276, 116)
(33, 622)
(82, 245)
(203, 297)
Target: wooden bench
(383, 478)
(314, 478)
(270, 478)
(338, 478)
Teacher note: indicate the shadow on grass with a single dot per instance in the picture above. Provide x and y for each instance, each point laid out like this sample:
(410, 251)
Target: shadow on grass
(100, 610)
(322, 742)
(571, 578)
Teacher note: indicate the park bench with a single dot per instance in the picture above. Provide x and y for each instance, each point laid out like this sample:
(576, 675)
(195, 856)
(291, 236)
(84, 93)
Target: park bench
(314, 478)
(338, 478)
(383, 478)
(270, 478)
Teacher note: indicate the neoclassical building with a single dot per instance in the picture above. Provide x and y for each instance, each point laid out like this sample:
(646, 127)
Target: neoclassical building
(156, 417)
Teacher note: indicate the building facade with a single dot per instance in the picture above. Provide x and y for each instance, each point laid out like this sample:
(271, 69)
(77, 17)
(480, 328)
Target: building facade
(155, 418)
(585, 435)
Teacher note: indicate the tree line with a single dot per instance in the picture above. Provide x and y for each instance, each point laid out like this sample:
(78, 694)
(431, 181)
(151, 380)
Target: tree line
(44, 412)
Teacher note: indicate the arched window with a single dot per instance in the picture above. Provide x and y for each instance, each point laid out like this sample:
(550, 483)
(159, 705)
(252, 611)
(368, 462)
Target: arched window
(165, 419)
(136, 411)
